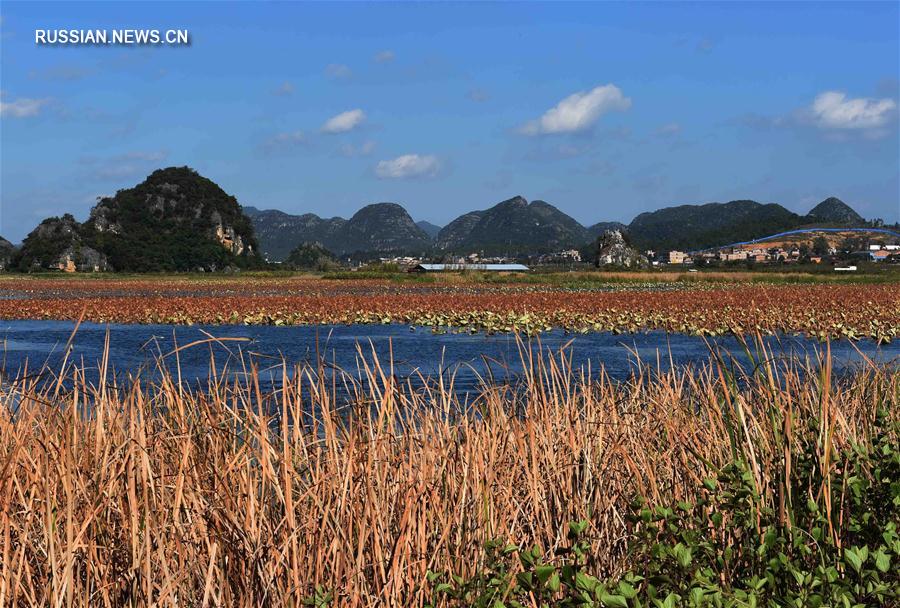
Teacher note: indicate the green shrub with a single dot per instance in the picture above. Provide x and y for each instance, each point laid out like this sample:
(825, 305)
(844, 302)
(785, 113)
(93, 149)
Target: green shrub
(832, 541)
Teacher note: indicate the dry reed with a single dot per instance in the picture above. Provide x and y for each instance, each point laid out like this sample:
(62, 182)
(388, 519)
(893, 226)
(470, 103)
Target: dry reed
(149, 492)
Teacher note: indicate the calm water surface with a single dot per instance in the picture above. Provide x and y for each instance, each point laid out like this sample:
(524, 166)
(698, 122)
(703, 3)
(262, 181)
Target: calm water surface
(137, 347)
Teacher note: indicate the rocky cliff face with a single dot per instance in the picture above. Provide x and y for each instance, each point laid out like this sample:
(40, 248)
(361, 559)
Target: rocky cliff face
(613, 251)
(58, 244)
(227, 236)
(176, 220)
(7, 250)
(595, 231)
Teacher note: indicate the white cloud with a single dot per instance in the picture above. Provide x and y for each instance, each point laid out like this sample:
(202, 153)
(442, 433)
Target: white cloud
(345, 121)
(578, 111)
(838, 117)
(408, 166)
(338, 70)
(833, 110)
(22, 107)
(385, 56)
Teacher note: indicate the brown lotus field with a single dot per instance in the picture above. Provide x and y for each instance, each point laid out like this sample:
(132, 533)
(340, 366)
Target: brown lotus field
(706, 308)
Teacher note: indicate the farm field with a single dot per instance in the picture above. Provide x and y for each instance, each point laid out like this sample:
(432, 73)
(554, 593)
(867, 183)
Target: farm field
(713, 304)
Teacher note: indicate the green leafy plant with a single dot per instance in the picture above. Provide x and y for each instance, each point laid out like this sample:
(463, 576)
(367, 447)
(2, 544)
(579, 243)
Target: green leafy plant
(320, 598)
(562, 580)
(835, 544)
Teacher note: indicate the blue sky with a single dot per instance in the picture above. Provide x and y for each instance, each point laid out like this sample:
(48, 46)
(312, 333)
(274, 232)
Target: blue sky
(605, 110)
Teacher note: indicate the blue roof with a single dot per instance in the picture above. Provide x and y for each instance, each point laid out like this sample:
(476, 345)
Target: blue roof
(492, 267)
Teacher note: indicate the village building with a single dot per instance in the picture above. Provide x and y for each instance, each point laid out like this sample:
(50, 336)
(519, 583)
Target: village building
(734, 256)
(469, 267)
(572, 255)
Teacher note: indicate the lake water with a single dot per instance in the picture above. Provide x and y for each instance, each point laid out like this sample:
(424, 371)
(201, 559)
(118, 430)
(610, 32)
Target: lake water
(469, 356)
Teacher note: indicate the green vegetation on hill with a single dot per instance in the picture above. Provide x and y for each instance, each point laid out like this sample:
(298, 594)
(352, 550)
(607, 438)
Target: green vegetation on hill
(689, 227)
(428, 228)
(176, 220)
(834, 210)
(46, 243)
(379, 228)
(513, 227)
(7, 251)
(279, 232)
(311, 256)
(383, 227)
(692, 227)
(600, 228)
(54, 243)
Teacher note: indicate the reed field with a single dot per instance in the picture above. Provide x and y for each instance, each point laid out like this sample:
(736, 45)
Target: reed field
(734, 486)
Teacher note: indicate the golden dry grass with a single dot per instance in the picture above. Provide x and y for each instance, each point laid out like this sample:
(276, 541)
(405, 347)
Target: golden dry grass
(150, 494)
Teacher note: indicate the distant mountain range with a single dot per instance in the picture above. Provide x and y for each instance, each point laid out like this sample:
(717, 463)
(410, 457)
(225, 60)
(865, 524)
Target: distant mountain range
(692, 227)
(428, 228)
(512, 227)
(688, 227)
(516, 227)
(179, 220)
(597, 230)
(380, 227)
